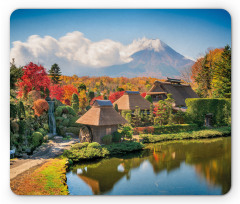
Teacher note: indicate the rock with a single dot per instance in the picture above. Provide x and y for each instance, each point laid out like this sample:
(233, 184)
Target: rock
(70, 134)
(28, 150)
(58, 137)
(25, 156)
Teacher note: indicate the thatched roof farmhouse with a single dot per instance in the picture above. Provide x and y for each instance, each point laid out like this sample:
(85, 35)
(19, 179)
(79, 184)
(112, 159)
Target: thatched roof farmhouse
(179, 91)
(102, 119)
(132, 99)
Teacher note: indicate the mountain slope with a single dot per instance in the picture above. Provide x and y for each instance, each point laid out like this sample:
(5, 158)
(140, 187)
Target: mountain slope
(164, 62)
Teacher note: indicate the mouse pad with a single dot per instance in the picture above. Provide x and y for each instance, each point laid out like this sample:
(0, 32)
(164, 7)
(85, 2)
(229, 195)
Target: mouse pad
(120, 102)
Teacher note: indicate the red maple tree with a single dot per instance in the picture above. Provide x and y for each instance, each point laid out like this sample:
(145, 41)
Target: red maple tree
(143, 94)
(115, 96)
(34, 78)
(56, 91)
(96, 98)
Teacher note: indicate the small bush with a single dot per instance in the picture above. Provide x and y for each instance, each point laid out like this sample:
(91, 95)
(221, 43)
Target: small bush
(74, 130)
(72, 122)
(116, 137)
(83, 151)
(94, 145)
(107, 139)
(37, 139)
(65, 122)
(127, 132)
(41, 130)
(129, 117)
(124, 147)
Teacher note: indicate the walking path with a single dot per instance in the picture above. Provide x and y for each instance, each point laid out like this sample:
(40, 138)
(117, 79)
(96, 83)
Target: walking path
(52, 149)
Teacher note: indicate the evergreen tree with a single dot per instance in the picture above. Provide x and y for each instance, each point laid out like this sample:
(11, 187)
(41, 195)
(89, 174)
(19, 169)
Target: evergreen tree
(75, 103)
(15, 74)
(91, 95)
(149, 98)
(81, 87)
(55, 74)
(222, 75)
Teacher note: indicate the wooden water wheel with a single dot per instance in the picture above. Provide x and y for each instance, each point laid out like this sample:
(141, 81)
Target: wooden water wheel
(85, 134)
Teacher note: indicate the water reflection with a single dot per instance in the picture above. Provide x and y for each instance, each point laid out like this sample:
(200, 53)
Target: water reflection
(182, 167)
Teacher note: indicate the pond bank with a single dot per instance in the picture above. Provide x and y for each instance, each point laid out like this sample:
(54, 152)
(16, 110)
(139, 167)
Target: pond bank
(200, 134)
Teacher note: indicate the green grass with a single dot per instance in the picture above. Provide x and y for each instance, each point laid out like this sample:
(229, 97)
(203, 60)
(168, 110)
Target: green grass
(207, 133)
(48, 179)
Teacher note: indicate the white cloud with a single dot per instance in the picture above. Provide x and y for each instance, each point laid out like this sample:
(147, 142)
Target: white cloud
(74, 51)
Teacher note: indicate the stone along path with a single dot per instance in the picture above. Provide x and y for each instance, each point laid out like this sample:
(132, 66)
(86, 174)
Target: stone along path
(49, 150)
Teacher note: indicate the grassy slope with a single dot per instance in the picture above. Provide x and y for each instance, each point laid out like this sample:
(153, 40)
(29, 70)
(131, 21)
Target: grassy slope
(48, 179)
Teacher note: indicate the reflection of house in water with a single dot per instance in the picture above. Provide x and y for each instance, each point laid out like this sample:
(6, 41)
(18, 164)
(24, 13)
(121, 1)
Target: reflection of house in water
(212, 163)
(103, 177)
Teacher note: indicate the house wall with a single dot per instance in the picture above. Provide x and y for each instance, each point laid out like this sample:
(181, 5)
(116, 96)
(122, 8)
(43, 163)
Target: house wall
(100, 131)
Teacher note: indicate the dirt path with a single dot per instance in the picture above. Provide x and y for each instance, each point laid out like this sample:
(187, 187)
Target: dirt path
(52, 149)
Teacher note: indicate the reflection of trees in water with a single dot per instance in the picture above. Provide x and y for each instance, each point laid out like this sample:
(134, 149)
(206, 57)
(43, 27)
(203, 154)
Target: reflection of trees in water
(210, 158)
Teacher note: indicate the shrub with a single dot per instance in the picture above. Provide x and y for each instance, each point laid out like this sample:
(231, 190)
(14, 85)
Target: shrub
(46, 127)
(37, 139)
(116, 107)
(129, 117)
(21, 110)
(199, 107)
(139, 130)
(174, 128)
(107, 139)
(72, 122)
(40, 106)
(149, 98)
(124, 113)
(94, 145)
(124, 147)
(116, 137)
(71, 111)
(64, 110)
(83, 151)
(65, 122)
(127, 132)
(41, 130)
(75, 102)
(74, 130)
(13, 110)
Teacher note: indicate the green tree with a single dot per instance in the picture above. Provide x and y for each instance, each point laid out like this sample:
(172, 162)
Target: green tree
(222, 75)
(15, 74)
(81, 87)
(91, 95)
(75, 103)
(116, 107)
(151, 115)
(149, 98)
(55, 74)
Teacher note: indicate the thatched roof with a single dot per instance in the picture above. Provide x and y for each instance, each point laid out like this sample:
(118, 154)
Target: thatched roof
(101, 113)
(179, 91)
(132, 99)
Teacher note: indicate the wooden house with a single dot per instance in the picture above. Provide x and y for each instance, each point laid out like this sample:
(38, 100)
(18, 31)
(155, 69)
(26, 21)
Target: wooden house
(132, 99)
(179, 91)
(102, 119)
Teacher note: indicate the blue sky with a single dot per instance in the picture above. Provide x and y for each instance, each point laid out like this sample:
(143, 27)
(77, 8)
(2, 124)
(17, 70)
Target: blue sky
(190, 32)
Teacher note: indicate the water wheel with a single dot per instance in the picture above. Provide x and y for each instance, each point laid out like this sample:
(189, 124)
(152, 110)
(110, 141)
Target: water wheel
(85, 134)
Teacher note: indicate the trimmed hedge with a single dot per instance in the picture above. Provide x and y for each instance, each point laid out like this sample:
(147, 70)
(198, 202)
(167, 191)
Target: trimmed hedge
(64, 109)
(197, 108)
(85, 151)
(37, 139)
(165, 129)
(107, 139)
(209, 133)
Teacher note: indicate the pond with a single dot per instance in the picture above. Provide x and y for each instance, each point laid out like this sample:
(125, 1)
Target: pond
(189, 167)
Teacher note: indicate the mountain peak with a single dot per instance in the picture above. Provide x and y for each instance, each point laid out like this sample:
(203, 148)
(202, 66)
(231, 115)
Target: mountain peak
(150, 44)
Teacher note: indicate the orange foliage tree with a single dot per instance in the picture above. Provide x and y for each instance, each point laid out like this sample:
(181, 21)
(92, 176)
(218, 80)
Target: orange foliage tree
(68, 90)
(40, 106)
